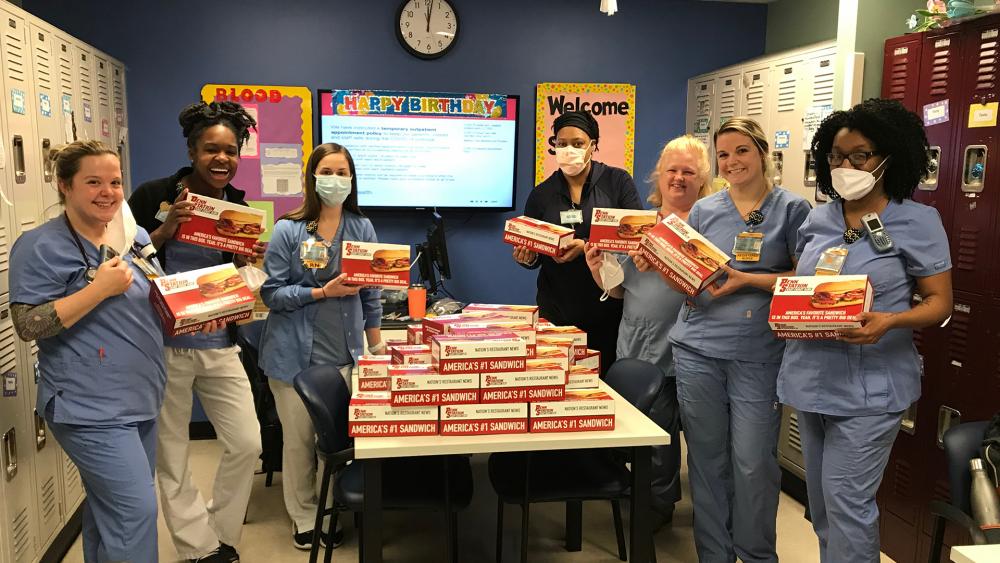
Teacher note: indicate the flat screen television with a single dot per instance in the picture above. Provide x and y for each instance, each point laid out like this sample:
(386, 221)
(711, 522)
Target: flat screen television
(426, 150)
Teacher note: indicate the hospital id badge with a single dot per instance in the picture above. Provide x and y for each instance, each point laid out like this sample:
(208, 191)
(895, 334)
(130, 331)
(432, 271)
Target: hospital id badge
(746, 248)
(314, 254)
(161, 215)
(831, 262)
(571, 216)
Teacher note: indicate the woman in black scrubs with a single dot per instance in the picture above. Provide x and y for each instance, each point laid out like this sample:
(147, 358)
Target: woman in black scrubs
(567, 294)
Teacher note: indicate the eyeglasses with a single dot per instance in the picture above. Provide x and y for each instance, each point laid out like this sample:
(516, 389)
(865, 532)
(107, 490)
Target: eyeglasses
(855, 158)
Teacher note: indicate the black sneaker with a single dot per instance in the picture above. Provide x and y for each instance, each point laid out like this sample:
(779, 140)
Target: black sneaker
(218, 556)
(303, 540)
(230, 552)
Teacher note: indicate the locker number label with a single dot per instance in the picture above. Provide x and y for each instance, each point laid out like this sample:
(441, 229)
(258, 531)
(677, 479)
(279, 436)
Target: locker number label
(17, 101)
(88, 116)
(67, 104)
(782, 139)
(10, 384)
(45, 105)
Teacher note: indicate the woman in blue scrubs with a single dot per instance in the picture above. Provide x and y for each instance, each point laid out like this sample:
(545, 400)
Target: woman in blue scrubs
(726, 358)
(682, 176)
(315, 318)
(100, 351)
(851, 392)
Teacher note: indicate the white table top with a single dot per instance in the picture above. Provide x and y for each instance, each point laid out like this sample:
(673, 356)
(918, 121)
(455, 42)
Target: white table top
(975, 553)
(632, 428)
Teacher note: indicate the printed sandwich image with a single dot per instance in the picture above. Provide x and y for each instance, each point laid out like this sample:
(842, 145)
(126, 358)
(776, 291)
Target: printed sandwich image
(699, 252)
(218, 283)
(391, 260)
(833, 295)
(634, 226)
(238, 224)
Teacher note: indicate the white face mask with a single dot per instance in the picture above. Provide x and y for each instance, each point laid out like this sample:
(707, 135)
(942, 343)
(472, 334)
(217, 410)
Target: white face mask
(611, 273)
(571, 160)
(852, 184)
(332, 189)
(122, 230)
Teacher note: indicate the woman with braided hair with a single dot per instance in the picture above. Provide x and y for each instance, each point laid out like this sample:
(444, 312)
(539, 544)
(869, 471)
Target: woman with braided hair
(207, 364)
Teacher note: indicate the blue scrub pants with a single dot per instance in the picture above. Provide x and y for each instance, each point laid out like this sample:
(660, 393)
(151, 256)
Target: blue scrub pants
(845, 459)
(116, 463)
(731, 416)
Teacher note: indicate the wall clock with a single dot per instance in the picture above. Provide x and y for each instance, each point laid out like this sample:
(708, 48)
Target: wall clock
(427, 29)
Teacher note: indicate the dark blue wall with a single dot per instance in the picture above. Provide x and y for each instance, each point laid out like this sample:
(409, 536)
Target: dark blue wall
(172, 48)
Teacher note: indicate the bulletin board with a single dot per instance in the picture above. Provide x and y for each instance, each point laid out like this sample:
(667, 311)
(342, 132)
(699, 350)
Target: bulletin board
(273, 160)
(612, 105)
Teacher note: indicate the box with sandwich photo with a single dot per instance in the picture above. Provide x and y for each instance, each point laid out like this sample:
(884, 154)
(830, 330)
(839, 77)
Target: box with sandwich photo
(221, 225)
(433, 326)
(538, 382)
(523, 313)
(580, 377)
(415, 334)
(537, 236)
(376, 264)
(816, 307)
(579, 337)
(471, 420)
(582, 410)
(415, 385)
(500, 352)
(523, 330)
(589, 359)
(371, 414)
(187, 300)
(411, 354)
(619, 230)
(565, 342)
(685, 259)
(548, 354)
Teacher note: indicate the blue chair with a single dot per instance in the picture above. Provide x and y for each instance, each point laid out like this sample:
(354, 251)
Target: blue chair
(573, 476)
(448, 478)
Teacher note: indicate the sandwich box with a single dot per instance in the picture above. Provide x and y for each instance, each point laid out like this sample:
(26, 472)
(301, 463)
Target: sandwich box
(816, 307)
(581, 410)
(415, 334)
(186, 301)
(580, 377)
(685, 259)
(411, 354)
(372, 415)
(579, 337)
(537, 236)
(376, 264)
(499, 418)
(373, 373)
(523, 313)
(545, 354)
(221, 225)
(500, 352)
(433, 326)
(589, 359)
(619, 230)
(538, 382)
(522, 330)
(421, 385)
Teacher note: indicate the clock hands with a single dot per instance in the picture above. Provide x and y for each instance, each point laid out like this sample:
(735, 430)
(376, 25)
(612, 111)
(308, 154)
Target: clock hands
(430, 9)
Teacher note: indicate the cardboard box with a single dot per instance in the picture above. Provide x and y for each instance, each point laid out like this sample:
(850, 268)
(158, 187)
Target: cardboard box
(376, 264)
(579, 337)
(186, 301)
(373, 373)
(620, 230)
(523, 331)
(580, 377)
(590, 359)
(566, 342)
(411, 354)
(433, 326)
(685, 259)
(500, 418)
(538, 236)
(523, 313)
(221, 225)
(415, 334)
(421, 385)
(816, 307)
(547, 354)
(502, 352)
(580, 411)
(371, 415)
(538, 382)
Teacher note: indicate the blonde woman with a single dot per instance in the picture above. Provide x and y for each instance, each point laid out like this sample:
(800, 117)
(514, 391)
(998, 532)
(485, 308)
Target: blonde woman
(681, 177)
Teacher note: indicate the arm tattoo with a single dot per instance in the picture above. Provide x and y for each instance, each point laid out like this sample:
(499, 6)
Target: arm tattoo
(36, 321)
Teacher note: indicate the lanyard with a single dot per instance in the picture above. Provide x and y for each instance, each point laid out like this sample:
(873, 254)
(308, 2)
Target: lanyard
(91, 272)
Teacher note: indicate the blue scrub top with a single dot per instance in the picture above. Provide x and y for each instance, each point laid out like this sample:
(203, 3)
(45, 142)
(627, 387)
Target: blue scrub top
(106, 368)
(329, 345)
(735, 327)
(840, 379)
(650, 310)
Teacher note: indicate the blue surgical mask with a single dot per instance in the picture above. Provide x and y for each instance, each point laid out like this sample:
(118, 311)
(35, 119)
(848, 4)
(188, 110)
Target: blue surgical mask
(333, 190)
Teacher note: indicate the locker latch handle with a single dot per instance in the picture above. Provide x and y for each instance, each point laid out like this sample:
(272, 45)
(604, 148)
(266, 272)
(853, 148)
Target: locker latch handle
(48, 163)
(10, 453)
(947, 417)
(18, 145)
(40, 432)
(933, 169)
(809, 174)
(974, 168)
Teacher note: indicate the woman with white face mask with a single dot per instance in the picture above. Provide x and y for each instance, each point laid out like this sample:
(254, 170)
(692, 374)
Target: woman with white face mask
(851, 392)
(315, 318)
(568, 197)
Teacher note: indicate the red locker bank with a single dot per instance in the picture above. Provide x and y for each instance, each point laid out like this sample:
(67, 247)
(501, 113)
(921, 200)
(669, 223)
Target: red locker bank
(949, 76)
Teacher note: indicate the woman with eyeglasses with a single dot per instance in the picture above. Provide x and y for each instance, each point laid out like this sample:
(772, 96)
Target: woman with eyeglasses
(851, 392)
(566, 292)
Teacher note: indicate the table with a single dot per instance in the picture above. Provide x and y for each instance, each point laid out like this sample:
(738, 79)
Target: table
(975, 553)
(632, 429)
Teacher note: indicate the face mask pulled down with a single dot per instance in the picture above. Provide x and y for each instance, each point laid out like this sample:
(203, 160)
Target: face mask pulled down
(852, 184)
(571, 160)
(333, 190)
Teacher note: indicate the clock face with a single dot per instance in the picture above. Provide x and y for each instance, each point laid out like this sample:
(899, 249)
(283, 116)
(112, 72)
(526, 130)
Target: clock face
(427, 28)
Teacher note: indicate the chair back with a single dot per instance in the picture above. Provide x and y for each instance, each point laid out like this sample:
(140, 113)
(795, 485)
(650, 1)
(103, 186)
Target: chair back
(637, 381)
(327, 400)
(962, 443)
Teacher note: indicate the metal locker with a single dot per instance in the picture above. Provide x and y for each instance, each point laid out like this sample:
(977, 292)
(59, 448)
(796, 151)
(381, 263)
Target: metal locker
(701, 100)
(754, 101)
(16, 452)
(104, 116)
(66, 56)
(790, 443)
(937, 97)
(120, 123)
(901, 69)
(48, 117)
(727, 99)
(787, 101)
(86, 83)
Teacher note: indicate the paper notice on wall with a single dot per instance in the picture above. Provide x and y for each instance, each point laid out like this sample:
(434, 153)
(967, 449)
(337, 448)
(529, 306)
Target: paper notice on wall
(983, 115)
(810, 123)
(782, 139)
(701, 126)
(251, 147)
